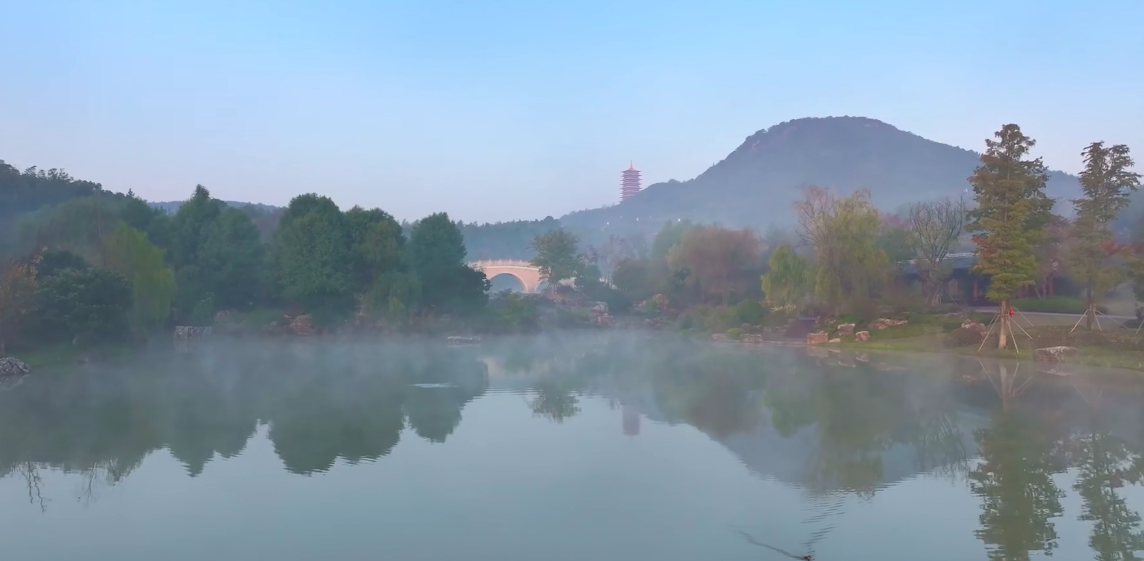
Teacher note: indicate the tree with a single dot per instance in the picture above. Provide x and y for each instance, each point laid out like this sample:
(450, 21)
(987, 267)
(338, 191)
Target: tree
(393, 295)
(230, 258)
(788, 281)
(311, 257)
(1106, 183)
(670, 236)
(53, 261)
(437, 253)
(849, 265)
(151, 221)
(378, 245)
(92, 303)
(128, 252)
(1050, 253)
(1009, 217)
(894, 240)
(190, 224)
(1014, 480)
(721, 261)
(934, 229)
(556, 256)
(78, 225)
(632, 277)
(17, 296)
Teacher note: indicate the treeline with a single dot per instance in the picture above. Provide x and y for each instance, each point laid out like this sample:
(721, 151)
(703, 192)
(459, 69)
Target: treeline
(848, 258)
(107, 269)
(1019, 242)
(505, 240)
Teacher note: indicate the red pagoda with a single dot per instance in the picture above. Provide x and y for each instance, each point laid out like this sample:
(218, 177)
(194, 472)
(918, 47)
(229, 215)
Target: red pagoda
(630, 185)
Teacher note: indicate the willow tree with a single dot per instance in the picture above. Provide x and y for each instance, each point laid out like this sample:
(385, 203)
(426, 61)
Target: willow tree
(849, 264)
(1011, 211)
(788, 278)
(1093, 257)
(128, 252)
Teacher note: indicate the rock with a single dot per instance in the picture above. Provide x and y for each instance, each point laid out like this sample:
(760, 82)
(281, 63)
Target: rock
(752, 338)
(862, 336)
(970, 324)
(816, 338)
(718, 336)
(303, 325)
(835, 340)
(13, 367)
(224, 316)
(883, 323)
(846, 329)
(1053, 354)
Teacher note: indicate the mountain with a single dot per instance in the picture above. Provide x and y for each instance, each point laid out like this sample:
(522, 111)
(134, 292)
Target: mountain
(756, 184)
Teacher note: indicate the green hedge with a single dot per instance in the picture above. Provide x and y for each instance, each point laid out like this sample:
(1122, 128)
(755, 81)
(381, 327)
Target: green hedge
(1054, 305)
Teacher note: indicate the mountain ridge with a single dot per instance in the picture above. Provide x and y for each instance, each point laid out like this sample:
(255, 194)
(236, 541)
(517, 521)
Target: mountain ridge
(758, 181)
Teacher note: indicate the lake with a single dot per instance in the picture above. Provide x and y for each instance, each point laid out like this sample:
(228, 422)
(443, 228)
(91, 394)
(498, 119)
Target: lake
(590, 447)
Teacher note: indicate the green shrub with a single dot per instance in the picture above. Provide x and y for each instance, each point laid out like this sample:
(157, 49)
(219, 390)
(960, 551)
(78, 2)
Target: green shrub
(1054, 305)
(734, 333)
(750, 311)
(719, 320)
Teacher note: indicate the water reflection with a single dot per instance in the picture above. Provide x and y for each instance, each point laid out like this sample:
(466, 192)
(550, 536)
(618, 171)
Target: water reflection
(836, 427)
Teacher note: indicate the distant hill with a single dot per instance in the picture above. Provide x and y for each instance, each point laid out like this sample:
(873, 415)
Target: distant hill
(756, 184)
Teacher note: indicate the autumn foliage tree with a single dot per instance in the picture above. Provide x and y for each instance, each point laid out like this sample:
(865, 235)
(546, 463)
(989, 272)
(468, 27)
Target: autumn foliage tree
(17, 296)
(722, 261)
(1009, 218)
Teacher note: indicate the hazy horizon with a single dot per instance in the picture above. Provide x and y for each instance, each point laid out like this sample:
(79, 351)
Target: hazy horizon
(509, 110)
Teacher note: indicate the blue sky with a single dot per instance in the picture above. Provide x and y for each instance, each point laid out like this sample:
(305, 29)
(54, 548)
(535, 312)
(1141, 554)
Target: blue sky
(498, 110)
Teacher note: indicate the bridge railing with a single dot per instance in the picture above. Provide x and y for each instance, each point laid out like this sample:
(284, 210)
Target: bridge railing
(486, 263)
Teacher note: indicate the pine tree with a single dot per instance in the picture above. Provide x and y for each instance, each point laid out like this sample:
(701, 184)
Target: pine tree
(1106, 182)
(1011, 210)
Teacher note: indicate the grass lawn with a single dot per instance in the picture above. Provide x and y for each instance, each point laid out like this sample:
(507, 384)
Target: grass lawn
(1119, 348)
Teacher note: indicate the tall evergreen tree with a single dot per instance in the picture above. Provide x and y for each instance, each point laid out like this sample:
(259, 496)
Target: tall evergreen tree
(1011, 210)
(1107, 181)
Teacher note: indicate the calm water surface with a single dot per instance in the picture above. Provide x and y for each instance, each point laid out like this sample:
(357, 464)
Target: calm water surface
(579, 448)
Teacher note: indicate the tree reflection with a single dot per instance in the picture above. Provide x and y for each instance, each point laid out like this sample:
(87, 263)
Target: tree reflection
(1014, 480)
(1105, 461)
(320, 406)
(553, 402)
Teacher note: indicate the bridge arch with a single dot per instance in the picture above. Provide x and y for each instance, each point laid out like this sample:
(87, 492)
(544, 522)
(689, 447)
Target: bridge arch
(523, 271)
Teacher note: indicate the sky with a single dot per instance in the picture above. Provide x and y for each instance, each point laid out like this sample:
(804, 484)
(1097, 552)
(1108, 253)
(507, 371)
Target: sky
(504, 110)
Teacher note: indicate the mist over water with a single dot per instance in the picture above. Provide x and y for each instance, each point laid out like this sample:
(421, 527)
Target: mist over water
(566, 447)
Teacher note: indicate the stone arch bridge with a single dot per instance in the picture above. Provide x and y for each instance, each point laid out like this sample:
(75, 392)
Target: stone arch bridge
(525, 272)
